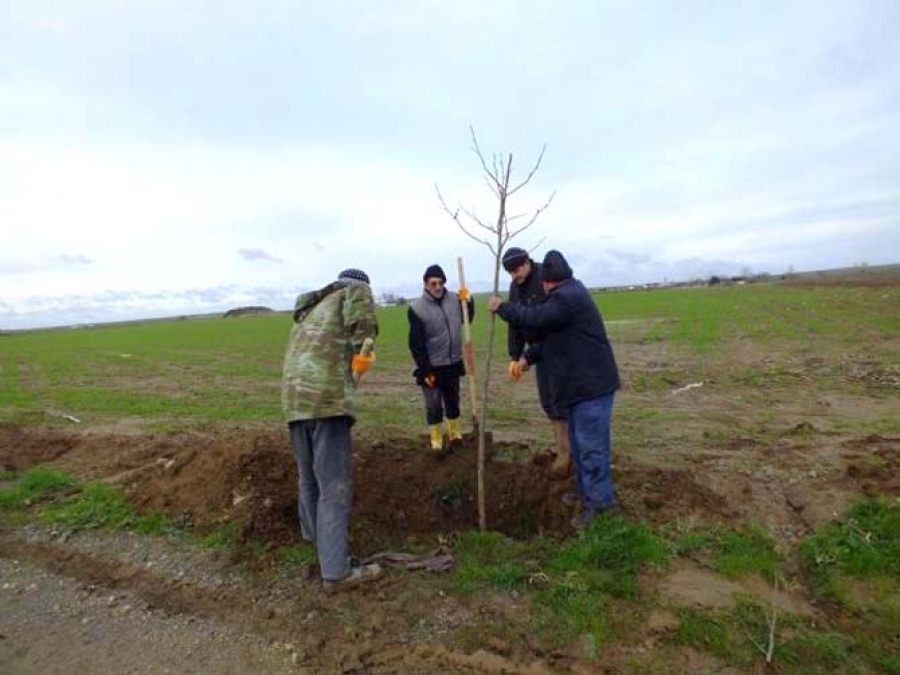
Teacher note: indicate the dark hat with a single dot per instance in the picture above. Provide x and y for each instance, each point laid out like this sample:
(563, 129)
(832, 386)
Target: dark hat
(513, 258)
(434, 271)
(353, 274)
(555, 267)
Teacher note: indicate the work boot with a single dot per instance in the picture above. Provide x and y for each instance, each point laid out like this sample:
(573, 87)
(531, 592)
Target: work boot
(357, 575)
(437, 437)
(454, 432)
(562, 464)
(583, 519)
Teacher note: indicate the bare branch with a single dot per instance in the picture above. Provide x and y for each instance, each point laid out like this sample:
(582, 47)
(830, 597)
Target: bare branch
(474, 217)
(537, 165)
(455, 216)
(535, 247)
(535, 216)
(477, 150)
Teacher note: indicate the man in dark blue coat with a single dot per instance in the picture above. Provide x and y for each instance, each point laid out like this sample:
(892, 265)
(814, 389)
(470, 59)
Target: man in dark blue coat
(582, 376)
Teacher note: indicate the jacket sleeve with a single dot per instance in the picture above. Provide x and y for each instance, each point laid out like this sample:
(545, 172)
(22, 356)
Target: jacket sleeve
(515, 340)
(417, 342)
(359, 314)
(533, 353)
(550, 315)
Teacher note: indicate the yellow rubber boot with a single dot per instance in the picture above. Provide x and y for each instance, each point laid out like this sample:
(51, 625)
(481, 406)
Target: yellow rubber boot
(561, 465)
(454, 431)
(437, 436)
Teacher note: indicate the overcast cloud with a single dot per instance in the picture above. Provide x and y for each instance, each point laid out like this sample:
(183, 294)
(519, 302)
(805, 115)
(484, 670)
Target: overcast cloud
(164, 158)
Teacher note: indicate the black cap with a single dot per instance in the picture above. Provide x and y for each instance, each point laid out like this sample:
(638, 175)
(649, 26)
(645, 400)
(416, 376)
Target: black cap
(555, 267)
(434, 271)
(513, 258)
(353, 274)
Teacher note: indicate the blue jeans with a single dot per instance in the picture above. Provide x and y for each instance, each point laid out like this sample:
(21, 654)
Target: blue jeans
(590, 441)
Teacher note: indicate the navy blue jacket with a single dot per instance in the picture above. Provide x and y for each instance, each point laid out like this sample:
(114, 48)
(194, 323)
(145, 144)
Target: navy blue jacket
(574, 348)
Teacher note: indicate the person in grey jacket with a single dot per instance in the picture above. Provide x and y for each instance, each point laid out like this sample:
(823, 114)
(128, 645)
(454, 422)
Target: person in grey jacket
(435, 341)
(526, 288)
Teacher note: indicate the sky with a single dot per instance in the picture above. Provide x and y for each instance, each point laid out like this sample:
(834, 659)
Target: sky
(163, 158)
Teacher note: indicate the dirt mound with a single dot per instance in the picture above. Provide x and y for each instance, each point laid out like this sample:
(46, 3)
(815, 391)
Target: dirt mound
(403, 494)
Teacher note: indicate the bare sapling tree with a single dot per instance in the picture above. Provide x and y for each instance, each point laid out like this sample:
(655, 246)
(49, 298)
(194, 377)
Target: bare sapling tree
(494, 234)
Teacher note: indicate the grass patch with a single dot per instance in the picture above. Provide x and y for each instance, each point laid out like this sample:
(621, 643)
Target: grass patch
(609, 553)
(737, 636)
(33, 485)
(706, 631)
(221, 537)
(732, 553)
(293, 557)
(863, 544)
(571, 587)
(487, 560)
(97, 505)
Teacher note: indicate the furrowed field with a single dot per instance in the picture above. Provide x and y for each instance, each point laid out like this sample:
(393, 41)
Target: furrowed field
(757, 460)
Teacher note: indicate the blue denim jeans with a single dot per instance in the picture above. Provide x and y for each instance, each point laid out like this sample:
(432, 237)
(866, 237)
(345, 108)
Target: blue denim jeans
(590, 441)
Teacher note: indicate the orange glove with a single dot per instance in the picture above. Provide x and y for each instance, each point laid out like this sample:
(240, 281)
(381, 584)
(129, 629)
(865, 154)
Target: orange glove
(515, 370)
(463, 294)
(361, 364)
(430, 381)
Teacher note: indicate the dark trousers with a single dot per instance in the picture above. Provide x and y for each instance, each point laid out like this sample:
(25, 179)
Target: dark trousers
(442, 397)
(325, 489)
(590, 441)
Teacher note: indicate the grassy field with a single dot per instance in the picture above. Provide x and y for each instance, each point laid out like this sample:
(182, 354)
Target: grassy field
(199, 371)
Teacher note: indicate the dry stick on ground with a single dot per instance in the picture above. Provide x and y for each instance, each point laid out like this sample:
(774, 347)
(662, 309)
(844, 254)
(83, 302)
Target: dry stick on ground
(498, 176)
(769, 649)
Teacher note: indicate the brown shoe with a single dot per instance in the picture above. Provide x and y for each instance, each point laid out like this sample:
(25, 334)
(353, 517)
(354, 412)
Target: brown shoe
(357, 576)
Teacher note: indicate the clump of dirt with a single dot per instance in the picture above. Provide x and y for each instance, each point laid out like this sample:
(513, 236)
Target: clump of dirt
(664, 495)
(877, 467)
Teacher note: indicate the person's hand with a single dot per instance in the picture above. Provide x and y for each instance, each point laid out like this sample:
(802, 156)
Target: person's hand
(430, 380)
(361, 363)
(494, 303)
(516, 368)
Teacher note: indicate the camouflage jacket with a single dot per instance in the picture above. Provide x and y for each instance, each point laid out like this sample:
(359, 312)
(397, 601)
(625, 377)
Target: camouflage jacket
(329, 327)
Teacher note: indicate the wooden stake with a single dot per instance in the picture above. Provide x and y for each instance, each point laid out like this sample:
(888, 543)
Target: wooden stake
(470, 376)
(468, 351)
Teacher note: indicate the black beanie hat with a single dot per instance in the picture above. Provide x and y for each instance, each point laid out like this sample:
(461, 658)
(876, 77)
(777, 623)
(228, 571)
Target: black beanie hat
(555, 267)
(353, 274)
(434, 271)
(513, 258)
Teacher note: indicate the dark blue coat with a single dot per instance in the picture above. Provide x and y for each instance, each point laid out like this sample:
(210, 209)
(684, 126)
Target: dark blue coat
(574, 349)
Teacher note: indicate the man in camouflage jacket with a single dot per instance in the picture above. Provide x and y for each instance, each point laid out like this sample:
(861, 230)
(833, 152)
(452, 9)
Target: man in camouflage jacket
(318, 392)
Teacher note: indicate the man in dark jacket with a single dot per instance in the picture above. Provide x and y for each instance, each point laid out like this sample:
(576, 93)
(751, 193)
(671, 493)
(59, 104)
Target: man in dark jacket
(435, 341)
(526, 289)
(581, 371)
